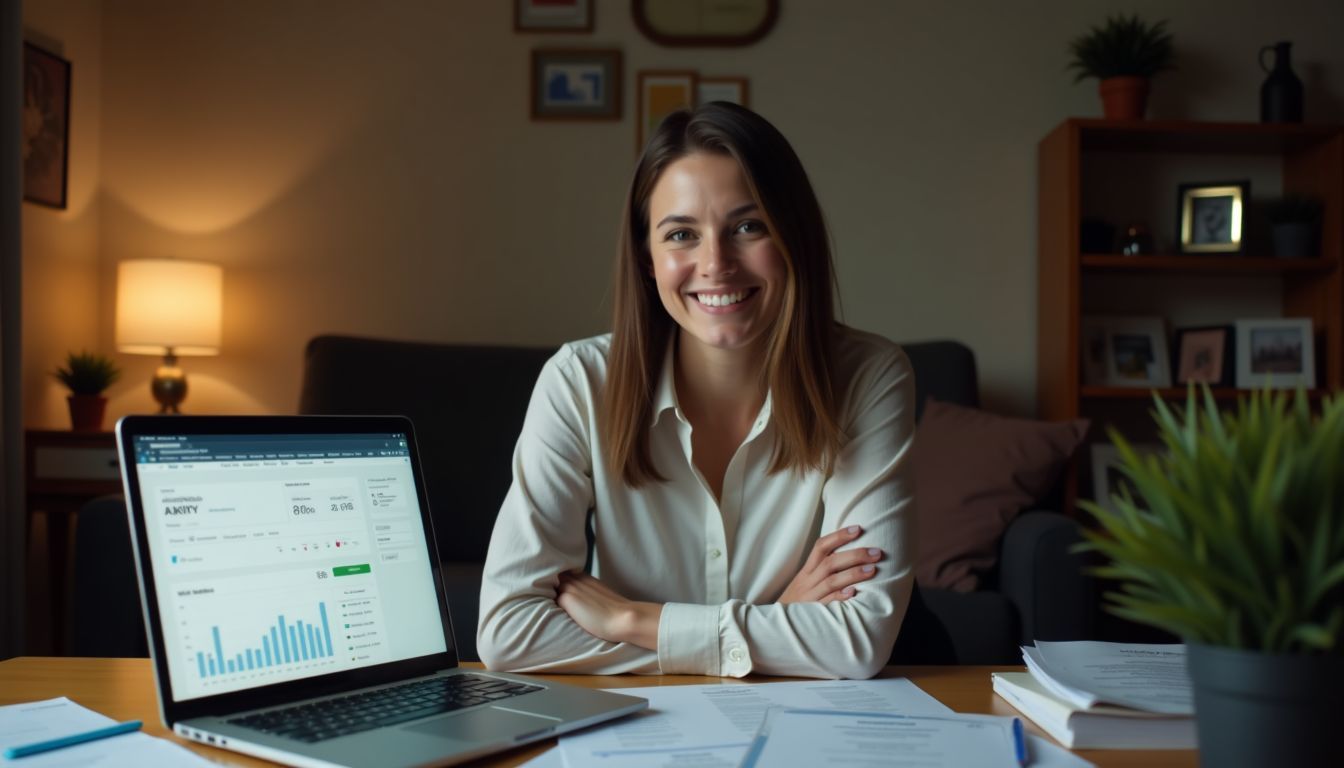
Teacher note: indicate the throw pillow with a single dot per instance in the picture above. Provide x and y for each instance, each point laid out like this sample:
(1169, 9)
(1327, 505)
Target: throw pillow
(974, 472)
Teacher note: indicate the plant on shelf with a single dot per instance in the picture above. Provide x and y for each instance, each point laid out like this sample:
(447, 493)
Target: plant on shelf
(87, 375)
(1233, 538)
(1294, 226)
(1124, 55)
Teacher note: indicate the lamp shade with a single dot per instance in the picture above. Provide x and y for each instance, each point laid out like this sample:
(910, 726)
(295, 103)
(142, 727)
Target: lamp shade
(168, 305)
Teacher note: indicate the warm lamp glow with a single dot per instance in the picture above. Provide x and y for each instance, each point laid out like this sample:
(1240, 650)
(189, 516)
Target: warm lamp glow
(168, 307)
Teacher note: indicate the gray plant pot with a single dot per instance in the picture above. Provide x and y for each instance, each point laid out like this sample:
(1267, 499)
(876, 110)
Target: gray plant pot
(1260, 709)
(1295, 240)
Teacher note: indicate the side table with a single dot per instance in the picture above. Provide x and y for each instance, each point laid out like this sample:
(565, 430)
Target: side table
(63, 470)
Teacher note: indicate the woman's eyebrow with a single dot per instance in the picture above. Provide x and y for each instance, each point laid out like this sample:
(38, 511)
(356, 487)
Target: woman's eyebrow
(683, 219)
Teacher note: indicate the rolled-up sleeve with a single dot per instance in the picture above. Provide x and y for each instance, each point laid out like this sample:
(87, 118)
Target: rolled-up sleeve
(539, 534)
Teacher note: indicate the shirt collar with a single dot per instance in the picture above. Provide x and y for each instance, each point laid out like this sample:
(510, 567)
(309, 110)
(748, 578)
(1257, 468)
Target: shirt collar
(665, 394)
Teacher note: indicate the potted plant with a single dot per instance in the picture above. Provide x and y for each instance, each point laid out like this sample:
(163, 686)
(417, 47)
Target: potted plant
(1234, 539)
(1123, 55)
(87, 375)
(1294, 226)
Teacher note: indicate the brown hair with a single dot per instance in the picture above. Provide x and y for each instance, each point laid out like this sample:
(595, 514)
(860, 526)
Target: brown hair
(799, 351)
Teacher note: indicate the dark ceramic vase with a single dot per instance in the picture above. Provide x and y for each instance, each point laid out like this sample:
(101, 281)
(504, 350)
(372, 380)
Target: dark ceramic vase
(1281, 94)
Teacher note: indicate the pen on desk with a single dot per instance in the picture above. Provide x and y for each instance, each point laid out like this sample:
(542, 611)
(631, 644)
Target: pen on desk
(74, 738)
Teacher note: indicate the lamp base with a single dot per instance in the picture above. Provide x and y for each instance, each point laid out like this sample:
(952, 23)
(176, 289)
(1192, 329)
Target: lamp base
(169, 385)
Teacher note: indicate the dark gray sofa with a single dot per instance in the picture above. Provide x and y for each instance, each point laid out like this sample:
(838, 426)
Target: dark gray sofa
(468, 404)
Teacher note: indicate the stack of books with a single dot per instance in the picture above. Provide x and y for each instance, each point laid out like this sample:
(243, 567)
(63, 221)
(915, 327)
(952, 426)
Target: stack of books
(1094, 695)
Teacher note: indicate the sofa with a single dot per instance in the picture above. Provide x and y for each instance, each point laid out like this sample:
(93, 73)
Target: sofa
(468, 403)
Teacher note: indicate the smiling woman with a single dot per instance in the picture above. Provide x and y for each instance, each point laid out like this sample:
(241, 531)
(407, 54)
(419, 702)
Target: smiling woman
(726, 422)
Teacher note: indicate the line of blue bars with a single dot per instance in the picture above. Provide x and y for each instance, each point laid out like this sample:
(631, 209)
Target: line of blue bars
(282, 644)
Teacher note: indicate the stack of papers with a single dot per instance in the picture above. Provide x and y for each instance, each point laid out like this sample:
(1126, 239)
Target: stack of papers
(46, 720)
(855, 722)
(1095, 695)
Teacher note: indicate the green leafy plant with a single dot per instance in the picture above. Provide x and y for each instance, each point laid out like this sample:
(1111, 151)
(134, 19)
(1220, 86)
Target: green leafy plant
(1293, 210)
(87, 373)
(1124, 46)
(1234, 535)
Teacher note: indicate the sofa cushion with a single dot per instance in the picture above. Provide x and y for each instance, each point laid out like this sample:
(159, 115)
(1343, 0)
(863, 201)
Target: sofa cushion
(974, 472)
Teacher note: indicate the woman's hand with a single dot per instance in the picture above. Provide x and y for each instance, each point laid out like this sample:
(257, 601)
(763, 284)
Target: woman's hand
(829, 574)
(605, 614)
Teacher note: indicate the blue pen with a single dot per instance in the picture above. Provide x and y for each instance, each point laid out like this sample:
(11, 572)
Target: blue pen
(72, 739)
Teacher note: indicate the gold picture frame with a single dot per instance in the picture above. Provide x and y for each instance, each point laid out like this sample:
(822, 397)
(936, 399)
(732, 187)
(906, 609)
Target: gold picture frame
(1211, 217)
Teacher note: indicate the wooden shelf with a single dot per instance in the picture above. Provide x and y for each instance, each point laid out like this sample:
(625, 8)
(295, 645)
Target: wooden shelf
(1182, 263)
(1171, 393)
(1194, 138)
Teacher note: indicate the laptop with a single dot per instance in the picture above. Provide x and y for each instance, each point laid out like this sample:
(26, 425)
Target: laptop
(293, 599)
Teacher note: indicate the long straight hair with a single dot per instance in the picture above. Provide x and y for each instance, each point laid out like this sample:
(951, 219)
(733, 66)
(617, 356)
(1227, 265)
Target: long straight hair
(800, 346)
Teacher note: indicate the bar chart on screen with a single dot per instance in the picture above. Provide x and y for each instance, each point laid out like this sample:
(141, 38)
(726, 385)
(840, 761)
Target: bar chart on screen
(285, 643)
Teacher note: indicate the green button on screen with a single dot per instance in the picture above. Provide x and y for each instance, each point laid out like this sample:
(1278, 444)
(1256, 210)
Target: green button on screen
(350, 570)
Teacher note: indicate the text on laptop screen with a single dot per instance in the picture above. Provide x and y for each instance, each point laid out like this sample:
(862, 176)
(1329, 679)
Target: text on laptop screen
(280, 557)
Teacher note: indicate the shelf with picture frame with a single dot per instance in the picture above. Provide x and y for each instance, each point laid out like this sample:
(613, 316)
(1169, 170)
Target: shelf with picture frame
(1132, 172)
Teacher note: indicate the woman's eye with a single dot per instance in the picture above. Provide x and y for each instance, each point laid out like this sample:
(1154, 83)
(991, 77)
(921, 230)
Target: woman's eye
(751, 227)
(679, 235)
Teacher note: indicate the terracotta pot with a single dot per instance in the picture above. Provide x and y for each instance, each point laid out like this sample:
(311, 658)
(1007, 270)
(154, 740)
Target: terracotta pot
(1124, 98)
(86, 412)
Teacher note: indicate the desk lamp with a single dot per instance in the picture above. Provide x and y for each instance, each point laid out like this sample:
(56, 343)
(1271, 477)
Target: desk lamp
(168, 307)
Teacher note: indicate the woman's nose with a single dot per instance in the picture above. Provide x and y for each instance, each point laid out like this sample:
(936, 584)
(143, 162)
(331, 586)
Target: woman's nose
(715, 258)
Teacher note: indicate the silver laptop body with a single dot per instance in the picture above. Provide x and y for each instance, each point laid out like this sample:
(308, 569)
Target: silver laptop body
(293, 599)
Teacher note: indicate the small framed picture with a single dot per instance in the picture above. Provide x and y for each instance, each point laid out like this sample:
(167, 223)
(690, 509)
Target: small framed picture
(553, 15)
(1275, 352)
(661, 92)
(732, 89)
(1108, 480)
(46, 126)
(576, 84)
(1210, 216)
(1133, 352)
(1204, 355)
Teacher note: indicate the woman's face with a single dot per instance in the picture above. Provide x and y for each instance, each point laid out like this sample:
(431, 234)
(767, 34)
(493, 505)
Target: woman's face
(718, 272)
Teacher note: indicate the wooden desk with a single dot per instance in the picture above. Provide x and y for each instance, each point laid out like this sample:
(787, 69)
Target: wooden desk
(64, 470)
(124, 689)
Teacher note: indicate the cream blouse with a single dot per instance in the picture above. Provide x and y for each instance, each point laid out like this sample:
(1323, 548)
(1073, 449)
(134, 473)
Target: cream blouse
(718, 566)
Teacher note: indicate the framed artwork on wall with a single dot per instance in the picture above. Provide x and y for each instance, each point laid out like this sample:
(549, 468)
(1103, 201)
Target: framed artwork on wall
(576, 84)
(733, 89)
(1210, 217)
(1275, 352)
(660, 93)
(553, 15)
(705, 23)
(46, 126)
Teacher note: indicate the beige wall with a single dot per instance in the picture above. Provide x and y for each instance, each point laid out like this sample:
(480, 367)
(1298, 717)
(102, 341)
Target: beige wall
(370, 168)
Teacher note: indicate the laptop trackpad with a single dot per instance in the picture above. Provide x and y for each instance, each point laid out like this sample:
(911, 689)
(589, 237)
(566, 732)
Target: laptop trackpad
(489, 724)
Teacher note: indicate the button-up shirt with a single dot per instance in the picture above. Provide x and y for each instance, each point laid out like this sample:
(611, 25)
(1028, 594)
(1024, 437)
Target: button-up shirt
(718, 565)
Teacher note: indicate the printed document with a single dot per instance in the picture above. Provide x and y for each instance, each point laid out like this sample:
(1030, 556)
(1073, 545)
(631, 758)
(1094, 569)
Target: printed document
(36, 721)
(1147, 677)
(713, 725)
(818, 737)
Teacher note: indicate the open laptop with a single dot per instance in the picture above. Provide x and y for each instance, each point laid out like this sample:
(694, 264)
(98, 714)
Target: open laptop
(293, 600)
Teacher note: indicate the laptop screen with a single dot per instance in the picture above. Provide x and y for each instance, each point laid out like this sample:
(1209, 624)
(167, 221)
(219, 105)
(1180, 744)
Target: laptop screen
(282, 557)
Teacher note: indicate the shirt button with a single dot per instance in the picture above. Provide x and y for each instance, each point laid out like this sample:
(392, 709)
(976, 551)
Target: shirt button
(735, 654)
(715, 553)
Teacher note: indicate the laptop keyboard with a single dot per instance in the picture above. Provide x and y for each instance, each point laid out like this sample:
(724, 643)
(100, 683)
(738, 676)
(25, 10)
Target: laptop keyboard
(330, 718)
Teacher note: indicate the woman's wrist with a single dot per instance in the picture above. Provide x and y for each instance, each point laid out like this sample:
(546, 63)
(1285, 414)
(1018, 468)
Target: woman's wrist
(640, 624)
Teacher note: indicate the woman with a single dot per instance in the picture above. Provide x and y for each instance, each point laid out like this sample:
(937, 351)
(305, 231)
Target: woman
(724, 423)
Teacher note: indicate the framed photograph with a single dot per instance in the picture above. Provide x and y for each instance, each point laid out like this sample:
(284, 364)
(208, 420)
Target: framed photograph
(1204, 355)
(1133, 352)
(1107, 478)
(46, 126)
(576, 84)
(661, 92)
(553, 15)
(1210, 217)
(1275, 352)
(732, 89)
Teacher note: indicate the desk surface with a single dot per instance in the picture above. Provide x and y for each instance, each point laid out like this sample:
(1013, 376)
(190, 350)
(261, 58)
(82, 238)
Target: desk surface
(124, 689)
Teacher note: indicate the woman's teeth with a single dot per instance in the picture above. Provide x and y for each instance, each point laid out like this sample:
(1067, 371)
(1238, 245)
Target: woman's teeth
(720, 299)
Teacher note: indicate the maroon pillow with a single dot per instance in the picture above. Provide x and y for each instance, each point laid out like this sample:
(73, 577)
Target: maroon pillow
(974, 472)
